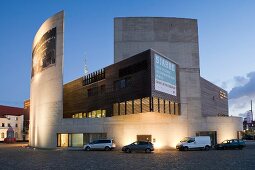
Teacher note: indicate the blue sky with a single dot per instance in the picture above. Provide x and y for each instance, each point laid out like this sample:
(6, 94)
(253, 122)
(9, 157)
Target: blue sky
(226, 40)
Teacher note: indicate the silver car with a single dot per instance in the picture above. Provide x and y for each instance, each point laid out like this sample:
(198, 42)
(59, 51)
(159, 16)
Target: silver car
(102, 144)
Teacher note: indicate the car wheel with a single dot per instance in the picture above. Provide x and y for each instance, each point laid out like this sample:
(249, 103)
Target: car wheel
(185, 148)
(107, 148)
(148, 150)
(127, 150)
(207, 148)
(87, 148)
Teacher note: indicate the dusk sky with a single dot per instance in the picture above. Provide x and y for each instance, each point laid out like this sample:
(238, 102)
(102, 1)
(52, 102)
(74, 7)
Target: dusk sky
(226, 40)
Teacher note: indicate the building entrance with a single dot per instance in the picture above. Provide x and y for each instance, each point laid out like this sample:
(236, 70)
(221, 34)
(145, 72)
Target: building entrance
(63, 140)
(212, 134)
(78, 139)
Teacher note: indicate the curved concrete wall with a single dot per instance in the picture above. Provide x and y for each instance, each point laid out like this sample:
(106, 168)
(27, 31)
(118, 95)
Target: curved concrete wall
(46, 93)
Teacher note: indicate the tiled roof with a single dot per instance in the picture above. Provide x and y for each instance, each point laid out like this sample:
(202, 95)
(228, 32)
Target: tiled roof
(9, 110)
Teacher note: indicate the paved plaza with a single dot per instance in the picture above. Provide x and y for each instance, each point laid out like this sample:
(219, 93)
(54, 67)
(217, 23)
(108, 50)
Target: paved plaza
(17, 156)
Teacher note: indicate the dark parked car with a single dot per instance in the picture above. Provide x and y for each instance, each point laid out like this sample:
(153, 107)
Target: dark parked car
(139, 146)
(231, 144)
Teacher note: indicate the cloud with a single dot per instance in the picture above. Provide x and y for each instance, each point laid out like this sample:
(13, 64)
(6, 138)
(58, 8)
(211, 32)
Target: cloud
(240, 80)
(246, 89)
(239, 106)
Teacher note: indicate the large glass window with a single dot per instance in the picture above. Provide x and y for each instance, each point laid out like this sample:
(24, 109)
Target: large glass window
(161, 105)
(94, 113)
(103, 113)
(77, 140)
(172, 107)
(115, 109)
(122, 108)
(63, 140)
(155, 104)
(167, 106)
(177, 109)
(137, 106)
(129, 107)
(93, 91)
(99, 113)
(146, 104)
(89, 114)
(120, 84)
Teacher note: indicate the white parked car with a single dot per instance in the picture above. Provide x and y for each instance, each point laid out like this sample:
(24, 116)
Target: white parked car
(102, 144)
(197, 142)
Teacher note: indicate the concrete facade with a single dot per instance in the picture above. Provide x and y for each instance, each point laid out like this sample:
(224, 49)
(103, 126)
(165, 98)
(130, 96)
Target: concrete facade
(177, 39)
(214, 99)
(167, 130)
(46, 93)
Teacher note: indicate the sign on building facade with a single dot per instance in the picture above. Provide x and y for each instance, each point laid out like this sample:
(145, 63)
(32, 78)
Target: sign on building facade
(165, 75)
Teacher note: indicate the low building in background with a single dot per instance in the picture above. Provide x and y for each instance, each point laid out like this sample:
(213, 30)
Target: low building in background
(12, 117)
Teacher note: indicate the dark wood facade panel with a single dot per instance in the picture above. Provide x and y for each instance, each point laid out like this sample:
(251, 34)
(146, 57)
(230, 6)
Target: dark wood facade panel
(135, 72)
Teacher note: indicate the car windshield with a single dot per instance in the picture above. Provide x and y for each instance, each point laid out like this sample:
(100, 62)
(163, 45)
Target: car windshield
(185, 139)
(225, 141)
(134, 143)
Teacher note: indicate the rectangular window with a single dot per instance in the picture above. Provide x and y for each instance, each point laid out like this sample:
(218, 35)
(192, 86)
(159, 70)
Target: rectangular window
(172, 107)
(9, 125)
(16, 118)
(89, 115)
(103, 113)
(16, 125)
(3, 125)
(133, 68)
(77, 140)
(93, 91)
(137, 106)
(146, 104)
(102, 89)
(167, 106)
(122, 108)
(2, 135)
(115, 109)
(121, 84)
(155, 104)
(161, 106)
(99, 113)
(94, 113)
(80, 115)
(84, 115)
(177, 110)
(129, 107)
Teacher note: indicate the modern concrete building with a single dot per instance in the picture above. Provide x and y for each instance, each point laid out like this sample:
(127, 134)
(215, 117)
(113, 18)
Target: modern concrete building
(153, 91)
